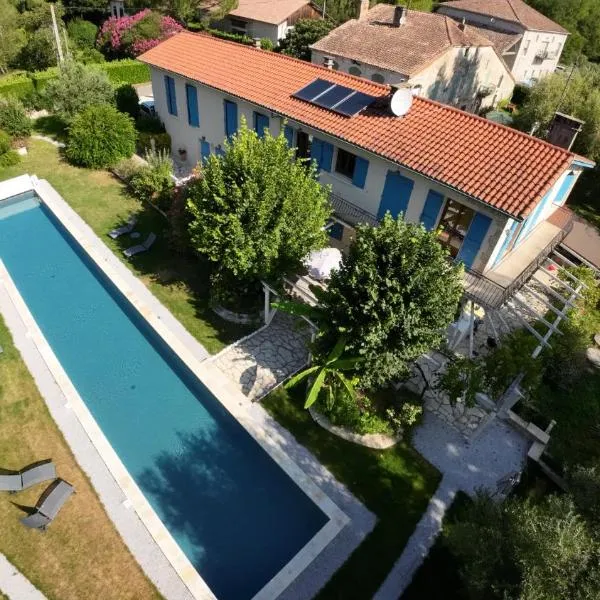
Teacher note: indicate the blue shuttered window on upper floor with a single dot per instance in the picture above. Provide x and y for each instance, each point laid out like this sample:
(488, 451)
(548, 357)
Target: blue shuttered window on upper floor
(219, 151)
(191, 96)
(431, 209)
(204, 151)
(361, 166)
(396, 194)
(171, 95)
(261, 122)
(473, 240)
(231, 118)
(288, 133)
(322, 153)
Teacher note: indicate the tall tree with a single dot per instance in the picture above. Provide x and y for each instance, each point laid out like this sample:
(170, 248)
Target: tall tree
(393, 296)
(12, 37)
(306, 32)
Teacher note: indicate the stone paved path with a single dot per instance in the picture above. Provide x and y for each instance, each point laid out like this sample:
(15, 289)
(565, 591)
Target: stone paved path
(267, 357)
(15, 585)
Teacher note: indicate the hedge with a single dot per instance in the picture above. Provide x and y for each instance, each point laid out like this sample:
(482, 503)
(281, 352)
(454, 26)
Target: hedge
(119, 71)
(224, 35)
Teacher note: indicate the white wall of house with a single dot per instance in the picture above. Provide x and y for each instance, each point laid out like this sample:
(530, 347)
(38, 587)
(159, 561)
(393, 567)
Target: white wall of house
(368, 198)
(523, 63)
(256, 29)
(454, 78)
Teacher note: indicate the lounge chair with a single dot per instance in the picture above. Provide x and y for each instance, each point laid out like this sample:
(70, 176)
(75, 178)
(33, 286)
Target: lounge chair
(127, 228)
(140, 247)
(50, 506)
(15, 482)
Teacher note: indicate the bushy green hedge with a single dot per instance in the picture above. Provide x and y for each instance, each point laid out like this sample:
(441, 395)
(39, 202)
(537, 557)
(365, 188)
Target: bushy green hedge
(225, 35)
(128, 70)
(16, 84)
(41, 78)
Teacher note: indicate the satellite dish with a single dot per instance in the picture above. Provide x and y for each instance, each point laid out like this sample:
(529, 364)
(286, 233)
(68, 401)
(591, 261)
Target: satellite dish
(401, 102)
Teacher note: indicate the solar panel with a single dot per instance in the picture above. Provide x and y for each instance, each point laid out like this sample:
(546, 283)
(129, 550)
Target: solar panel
(338, 98)
(318, 86)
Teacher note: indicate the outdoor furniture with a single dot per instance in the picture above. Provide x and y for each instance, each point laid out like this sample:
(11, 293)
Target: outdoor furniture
(133, 250)
(54, 498)
(15, 482)
(115, 233)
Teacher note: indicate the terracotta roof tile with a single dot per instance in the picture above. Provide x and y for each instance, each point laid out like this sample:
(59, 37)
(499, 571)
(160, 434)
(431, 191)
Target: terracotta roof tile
(407, 49)
(480, 158)
(516, 11)
(502, 41)
(267, 11)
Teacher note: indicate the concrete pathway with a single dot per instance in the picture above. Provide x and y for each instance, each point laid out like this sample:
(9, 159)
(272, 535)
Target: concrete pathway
(467, 466)
(267, 357)
(14, 585)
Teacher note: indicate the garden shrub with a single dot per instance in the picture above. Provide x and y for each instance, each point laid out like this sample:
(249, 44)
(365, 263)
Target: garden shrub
(5, 142)
(125, 169)
(154, 182)
(42, 78)
(232, 37)
(10, 158)
(14, 119)
(267, 44)
(127, 100)
(100, 136)
(89, 56)
(83, 33)
(16, 84)
(126, 71)
(162, 142)
(344, 412)
(38, 52)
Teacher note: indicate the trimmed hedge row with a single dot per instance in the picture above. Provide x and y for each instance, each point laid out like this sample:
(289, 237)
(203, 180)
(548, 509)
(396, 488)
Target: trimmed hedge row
(119, 71)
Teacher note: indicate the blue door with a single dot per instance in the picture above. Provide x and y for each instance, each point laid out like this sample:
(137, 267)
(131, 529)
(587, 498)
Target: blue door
(261, 122)
(204, 151)
(396, 194)
(288, 132)
(231, 118)
(472, 242)
(431, 210)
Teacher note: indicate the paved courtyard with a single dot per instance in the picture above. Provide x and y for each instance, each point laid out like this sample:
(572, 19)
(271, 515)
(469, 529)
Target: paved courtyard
(266, 358)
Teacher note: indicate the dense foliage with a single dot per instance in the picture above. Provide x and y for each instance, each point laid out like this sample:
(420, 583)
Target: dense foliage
(135, 34)
(393, 296)
(127, 100)
(82, 33)
(8, 156)
(13, 118)
(12, 37)
(100, 136)
(256, 211)
(298, 39)
(77, 87)
(154, 182)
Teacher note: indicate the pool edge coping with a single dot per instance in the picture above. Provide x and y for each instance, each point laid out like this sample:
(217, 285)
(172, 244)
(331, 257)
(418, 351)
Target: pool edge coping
(224, 390)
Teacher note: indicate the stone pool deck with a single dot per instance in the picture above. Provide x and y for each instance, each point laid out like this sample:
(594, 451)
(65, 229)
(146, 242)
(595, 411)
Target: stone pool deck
(15, 585)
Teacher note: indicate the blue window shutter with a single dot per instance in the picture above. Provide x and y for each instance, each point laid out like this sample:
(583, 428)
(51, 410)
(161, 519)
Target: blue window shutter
(316, 151)
(231, 118)
(396, 194)
(564, 189)
(288, 132)
(261, 122)
(171, 95)
(472, 242)
(361, 166)
(204, 150)
(326, 156)
(191, 95)
(431, 210)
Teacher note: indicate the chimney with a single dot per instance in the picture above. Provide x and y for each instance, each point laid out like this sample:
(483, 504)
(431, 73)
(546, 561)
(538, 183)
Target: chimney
(328, 62)
(363, 9)
(564, 130)
(399, 16)
(257, 42)
(462, 25)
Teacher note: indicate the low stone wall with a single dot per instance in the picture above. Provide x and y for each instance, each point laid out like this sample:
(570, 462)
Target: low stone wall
(239, 318)
(378, 441)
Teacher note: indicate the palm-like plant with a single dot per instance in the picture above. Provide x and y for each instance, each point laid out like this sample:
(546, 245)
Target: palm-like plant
(330, 375)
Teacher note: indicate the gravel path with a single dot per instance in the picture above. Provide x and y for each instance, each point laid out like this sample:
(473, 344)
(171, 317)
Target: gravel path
(15, 585)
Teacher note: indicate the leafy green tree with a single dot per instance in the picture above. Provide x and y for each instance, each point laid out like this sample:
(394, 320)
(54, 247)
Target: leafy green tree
(328, 377)
(12, 38)
(38, 53)
(393, 296)
(128, 100)
(82, 33)
(100, 136)
(256, 211)
(306, 32)
(77, 87)
(36, 15)
(13, 118)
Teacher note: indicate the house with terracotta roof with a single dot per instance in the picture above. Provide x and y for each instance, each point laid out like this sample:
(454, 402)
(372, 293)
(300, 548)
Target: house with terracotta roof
(495, 195)
(529, 42)
(428, 52)
(270, 19)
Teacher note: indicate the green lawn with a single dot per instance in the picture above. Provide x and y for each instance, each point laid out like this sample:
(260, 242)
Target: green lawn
(102, 201)
(394, 484)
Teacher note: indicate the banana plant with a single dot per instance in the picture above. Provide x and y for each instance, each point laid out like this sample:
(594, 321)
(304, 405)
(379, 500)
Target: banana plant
(330, 375)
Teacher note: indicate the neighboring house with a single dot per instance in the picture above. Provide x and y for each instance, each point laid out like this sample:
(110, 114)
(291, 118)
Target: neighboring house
(268, 18)
(431, 53)
(530, 43)
(116, 8)
(490, 190)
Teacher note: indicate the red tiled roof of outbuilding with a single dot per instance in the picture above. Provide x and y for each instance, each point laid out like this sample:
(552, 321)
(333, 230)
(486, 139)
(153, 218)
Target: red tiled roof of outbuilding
(507, 169)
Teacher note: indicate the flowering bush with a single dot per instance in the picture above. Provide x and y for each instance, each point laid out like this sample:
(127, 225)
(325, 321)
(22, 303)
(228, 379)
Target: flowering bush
(135, 34)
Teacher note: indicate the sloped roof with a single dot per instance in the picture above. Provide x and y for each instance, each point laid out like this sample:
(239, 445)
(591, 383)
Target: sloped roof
(502, 41)
(267, 11)
(516, 11)
(407, 49)
(502, 167)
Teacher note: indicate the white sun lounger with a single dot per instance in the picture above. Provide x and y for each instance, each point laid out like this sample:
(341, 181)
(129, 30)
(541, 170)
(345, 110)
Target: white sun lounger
(127, 228)
(48, 509)
(140, 247)
(15, 482)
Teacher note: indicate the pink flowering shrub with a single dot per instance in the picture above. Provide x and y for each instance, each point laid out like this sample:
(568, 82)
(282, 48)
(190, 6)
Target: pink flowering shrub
(133, 35)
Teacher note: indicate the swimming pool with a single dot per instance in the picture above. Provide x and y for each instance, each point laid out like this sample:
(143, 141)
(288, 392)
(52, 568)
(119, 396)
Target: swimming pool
(234, 512)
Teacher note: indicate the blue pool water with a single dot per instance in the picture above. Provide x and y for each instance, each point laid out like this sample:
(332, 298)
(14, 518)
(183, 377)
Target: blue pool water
(238, 517)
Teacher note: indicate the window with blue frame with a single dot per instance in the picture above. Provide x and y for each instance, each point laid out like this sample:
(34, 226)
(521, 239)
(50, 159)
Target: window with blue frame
(171, 95)
(261, 122)
(231, 118)
(191, 95)
(352, 166)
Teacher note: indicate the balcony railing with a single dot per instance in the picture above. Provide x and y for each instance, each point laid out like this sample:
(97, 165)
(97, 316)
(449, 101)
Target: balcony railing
(477, 286)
